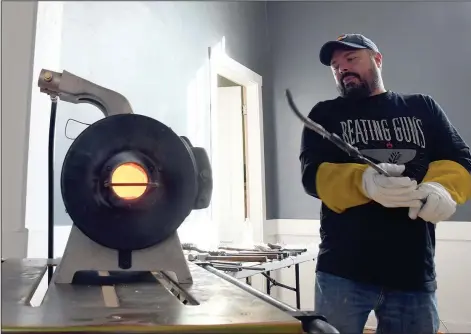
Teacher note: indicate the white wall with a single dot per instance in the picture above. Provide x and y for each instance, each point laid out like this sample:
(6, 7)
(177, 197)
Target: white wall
(46, 55)
(156, 55)
(453, 266)
(18, 28)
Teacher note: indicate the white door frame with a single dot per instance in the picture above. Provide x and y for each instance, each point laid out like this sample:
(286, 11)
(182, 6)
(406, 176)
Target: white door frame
(221, 64)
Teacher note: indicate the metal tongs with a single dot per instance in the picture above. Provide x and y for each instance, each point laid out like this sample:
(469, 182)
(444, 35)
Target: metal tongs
(332, 137)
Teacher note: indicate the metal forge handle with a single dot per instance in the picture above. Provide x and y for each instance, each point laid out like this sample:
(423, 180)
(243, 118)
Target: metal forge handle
(71, 88)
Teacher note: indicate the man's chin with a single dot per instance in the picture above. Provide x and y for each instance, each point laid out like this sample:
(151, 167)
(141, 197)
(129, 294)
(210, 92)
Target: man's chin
(356, 91)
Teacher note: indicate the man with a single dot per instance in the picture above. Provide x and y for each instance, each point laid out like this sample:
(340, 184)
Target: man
(378, 236)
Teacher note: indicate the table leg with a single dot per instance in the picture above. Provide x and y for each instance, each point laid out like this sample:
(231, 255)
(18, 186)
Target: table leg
(268, 283)
(298, 292)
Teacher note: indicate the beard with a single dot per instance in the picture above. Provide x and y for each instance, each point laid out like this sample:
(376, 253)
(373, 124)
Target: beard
(360, 88)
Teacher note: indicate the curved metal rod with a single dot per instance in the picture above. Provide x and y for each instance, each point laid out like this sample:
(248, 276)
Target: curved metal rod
(319, 129)
(333, 138)
(71, 88)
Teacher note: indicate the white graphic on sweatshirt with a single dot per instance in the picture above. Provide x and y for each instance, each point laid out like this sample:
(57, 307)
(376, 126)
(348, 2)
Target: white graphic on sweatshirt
(394, 130)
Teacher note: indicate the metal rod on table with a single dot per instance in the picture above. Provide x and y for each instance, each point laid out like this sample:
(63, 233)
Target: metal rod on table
(311, 327)
(270, 300)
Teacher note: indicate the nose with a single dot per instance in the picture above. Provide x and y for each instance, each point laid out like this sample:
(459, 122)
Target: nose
(343, 69)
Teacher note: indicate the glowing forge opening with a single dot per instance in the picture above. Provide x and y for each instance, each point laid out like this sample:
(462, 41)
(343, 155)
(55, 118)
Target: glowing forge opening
(126, 181)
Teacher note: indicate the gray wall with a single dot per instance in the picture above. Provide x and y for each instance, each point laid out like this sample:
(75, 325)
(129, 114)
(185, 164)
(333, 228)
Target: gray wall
(426, 49)
(150, 52)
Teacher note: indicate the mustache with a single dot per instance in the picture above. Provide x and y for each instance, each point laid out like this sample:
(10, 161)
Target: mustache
(350, 74)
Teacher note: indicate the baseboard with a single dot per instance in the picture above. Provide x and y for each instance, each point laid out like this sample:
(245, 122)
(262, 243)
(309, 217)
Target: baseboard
(446, 231)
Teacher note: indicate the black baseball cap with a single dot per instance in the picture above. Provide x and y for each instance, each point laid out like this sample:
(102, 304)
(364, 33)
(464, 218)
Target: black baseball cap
(346, 41)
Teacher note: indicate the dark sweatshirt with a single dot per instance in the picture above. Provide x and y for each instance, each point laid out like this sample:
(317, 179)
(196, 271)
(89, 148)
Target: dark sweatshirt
(360, 239)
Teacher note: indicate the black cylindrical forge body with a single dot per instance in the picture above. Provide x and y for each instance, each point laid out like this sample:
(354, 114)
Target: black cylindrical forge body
(179, 180)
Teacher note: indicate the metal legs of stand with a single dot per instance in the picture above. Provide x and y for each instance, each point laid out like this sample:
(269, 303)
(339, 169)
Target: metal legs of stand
(272, 282)
(297, 287)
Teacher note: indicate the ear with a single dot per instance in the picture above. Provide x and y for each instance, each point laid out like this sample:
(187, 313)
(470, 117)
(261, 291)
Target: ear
(378, 59)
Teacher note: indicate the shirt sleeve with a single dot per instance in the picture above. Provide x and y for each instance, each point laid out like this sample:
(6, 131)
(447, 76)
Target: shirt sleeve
(450, 156)
(326, 174)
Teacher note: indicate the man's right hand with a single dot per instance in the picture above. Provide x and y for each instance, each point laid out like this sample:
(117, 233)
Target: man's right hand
(393, 191)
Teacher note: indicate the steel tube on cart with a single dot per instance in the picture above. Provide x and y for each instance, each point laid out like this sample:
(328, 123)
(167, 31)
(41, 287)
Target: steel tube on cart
(312, 327)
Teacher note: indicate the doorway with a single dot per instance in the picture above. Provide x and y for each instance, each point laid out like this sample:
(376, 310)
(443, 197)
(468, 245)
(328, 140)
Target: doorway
(232, 154)
(238, 204)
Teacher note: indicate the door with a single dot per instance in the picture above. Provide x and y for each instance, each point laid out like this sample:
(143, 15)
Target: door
(229, 152)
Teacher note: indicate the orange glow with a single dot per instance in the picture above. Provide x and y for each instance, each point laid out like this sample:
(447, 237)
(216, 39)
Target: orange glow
(129, 173)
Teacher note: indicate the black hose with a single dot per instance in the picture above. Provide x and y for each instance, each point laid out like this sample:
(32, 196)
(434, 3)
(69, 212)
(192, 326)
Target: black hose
(50, 170)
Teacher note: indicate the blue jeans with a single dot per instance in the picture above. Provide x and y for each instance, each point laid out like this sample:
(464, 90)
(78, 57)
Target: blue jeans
(347, 304)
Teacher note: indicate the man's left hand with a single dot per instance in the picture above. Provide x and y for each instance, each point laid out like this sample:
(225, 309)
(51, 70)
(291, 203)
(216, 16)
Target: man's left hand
(439, 204)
